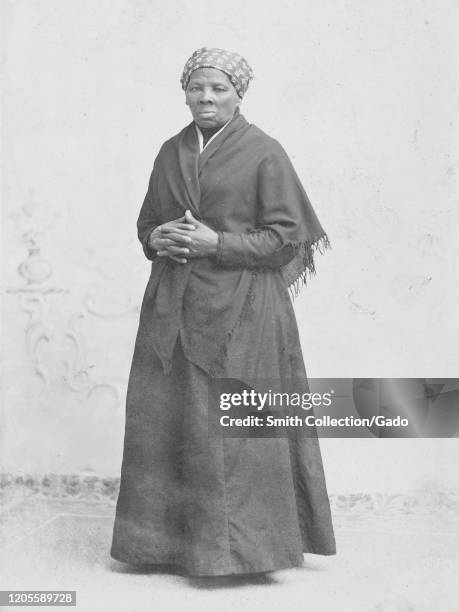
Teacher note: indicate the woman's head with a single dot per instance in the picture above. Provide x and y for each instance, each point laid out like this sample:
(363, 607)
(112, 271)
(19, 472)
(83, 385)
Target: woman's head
(214, 82)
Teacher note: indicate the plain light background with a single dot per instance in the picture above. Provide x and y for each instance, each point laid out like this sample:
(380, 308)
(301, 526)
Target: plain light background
(363, 95)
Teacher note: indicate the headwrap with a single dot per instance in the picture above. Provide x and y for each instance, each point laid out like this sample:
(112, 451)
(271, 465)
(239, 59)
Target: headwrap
(232, 64)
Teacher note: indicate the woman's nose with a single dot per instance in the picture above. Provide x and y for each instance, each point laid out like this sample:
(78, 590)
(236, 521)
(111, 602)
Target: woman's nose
(206, 96)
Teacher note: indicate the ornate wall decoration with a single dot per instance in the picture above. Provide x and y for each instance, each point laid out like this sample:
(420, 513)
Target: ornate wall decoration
(53, 329)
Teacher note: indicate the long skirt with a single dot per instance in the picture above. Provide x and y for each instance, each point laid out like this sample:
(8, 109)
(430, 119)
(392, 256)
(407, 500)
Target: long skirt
(210, 504)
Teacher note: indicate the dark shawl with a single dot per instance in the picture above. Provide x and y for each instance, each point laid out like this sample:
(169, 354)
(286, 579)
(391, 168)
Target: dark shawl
(242, 185)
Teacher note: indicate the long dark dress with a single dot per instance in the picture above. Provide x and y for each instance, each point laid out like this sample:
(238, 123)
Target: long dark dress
(211, 504)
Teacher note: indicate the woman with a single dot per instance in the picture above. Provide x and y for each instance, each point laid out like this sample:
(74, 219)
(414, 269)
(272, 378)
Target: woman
(228, 228)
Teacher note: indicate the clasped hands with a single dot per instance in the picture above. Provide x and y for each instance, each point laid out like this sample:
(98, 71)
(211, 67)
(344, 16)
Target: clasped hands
(184, 238)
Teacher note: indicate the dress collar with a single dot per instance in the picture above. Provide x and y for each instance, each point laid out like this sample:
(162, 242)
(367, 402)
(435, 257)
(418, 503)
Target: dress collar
(201, 137)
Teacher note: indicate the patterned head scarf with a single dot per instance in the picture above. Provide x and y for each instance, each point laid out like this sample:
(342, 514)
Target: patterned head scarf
(233, 65)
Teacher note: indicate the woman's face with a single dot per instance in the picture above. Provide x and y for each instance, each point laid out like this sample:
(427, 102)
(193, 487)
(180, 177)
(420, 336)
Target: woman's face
(211, 97)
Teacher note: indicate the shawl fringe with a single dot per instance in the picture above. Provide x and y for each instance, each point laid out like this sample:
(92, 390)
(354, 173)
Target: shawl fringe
(302, 266)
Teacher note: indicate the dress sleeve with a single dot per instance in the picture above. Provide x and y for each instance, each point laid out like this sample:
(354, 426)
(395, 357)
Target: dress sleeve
(260, 248)
(147, 220)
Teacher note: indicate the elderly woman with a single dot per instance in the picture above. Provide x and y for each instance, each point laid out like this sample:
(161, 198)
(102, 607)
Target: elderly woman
(229, 230)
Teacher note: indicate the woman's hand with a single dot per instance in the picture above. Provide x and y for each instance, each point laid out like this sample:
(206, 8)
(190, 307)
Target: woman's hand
(184, 238)
(172, 239)
(203, 241)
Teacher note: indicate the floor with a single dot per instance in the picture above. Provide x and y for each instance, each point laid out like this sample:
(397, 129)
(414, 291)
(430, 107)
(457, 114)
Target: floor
(386, 562)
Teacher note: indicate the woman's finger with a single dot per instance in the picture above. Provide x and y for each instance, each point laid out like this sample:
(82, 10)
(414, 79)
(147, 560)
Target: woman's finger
(172, 227)
(181, 260)
(161, 244)
(176, 237)
(165, 243)
(176, 250)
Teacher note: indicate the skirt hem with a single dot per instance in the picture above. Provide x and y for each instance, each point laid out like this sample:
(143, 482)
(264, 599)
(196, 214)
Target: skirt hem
(168, 561)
